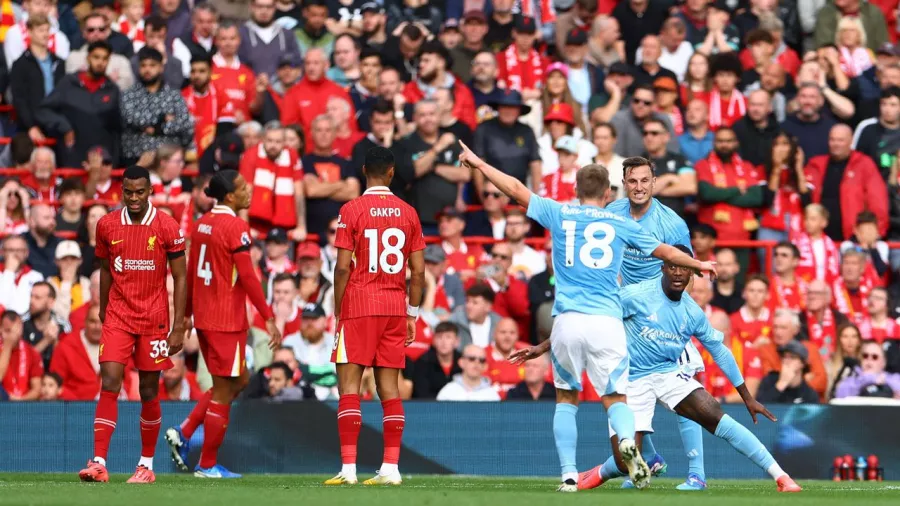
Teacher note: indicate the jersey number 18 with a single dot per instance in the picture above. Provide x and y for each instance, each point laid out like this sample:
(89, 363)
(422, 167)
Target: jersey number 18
(591, 243)
(390, 260)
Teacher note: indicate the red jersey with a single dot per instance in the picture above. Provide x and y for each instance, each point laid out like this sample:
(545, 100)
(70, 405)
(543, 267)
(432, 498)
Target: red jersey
(219, 300)
(236, 87)
(110, 192)
(138, 254)
(731, 222)
(25, 363)
(204, 108)
(503, 374)
(559, 187)
(382, 231)
(746, 328)
(167, 195)
(747, 359)
(514, 73)
(466, 258)
(79, 372)
(784, 296)
(40, 192)
(344, 147)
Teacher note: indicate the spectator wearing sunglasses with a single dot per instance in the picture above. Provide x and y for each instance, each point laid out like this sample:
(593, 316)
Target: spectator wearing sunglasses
(870, 379)
(470, 384)
(629, 123)
(96, 29)
(491, 220)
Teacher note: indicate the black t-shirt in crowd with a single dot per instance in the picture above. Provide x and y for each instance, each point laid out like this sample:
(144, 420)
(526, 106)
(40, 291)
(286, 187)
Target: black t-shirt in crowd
(403, 178)
(499, 37)
(672, 163)
(431, 192)
(329, 169)
(728, 303)
(831, 197)
(345, 12)
(461, 131)
(509, 148)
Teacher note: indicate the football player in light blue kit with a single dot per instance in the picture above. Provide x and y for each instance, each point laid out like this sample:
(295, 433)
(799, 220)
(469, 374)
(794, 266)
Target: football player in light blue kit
(660, 320)
(663, 223)
(588, 334)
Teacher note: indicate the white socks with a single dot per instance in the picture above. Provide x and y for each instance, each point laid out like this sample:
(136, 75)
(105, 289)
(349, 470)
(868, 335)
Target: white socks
(146, 462)
(775, 471)
(100, 460)
(570, 476)
(348, 469)
(388, 469)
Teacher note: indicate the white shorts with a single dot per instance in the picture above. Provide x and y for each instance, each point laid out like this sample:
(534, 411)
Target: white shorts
(690, 360)
(668, 389)
(593, 343)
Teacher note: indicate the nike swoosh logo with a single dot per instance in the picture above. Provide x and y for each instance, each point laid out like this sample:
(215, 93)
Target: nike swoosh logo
(161, 360)
(117, 242)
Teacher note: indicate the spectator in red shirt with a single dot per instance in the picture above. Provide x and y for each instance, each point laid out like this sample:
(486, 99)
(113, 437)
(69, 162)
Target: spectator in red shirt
(521, 66)
(851, 290)
(41, 183)
(503, 374)
(462, 259)
(309, 98)
(787, 290)
(77, 360)
(339, 110)
(100, 184)
(177, 384)
(726, 103)
(21, 366)
(235, 83)
(560, 185)
(511, 293)
(753, 322)
(202, 102)
(434, 60)
(879, 326)
(745, 355)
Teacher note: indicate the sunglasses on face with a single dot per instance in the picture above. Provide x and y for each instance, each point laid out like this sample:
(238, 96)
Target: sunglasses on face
(495, 195)
(638, 101)
(653, 133)
(871, 356)
(480, 360)
(783, 254)
(500, 256)
(95, 29)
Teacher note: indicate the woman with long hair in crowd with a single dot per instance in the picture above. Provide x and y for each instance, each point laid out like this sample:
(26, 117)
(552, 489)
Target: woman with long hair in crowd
(879, 325)
(559, 120)
(697, 83)
(14, 203)
(295, 138)
(787, 193)
(845, 358)
(604, 137)
(557, 91)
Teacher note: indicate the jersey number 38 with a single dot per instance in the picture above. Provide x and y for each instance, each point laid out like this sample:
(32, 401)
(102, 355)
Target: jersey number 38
(592, 242)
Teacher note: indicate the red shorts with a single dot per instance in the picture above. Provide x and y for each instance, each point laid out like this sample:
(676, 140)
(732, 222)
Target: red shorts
(150, 353)
(224, 352)
(378, 341)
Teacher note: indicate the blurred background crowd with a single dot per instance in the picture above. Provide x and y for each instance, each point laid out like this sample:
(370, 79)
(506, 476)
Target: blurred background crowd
(774, 127)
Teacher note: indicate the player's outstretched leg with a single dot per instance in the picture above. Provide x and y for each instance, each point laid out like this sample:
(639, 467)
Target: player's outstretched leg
(151, 421)
(654, 460)
(225, 389)
(393, 423)
(179, 438)
(565, 433)
(599, 474)
(701, 407)
(692, 439)
(349, 421)
(105, 418)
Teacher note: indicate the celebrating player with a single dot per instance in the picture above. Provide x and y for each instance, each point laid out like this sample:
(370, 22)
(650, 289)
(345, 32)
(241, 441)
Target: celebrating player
(664, 224)
(378, 234)
(220, 248)
(133, 245)
(588, 244)
(660, 319)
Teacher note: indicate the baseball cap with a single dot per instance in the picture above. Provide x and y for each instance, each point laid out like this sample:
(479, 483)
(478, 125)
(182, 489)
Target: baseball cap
(104, 154)
(277, 235)
(435, 254)
(312, 310)
(308, 249)
(371, 7)
(230, 147)
(561, 112)
(887, 49)
(665, 83)
(67, 249)
(474, 15)
(795, 348)
(525, 24)
(576, 37)
(567, 143)
(558, 67)
(289, 60)
(450, 24)
(450, 212)
(619, 68)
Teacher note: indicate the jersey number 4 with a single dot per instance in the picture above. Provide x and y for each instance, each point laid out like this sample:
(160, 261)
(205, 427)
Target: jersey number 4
(591, 243)
(390, 259)
(203, 270)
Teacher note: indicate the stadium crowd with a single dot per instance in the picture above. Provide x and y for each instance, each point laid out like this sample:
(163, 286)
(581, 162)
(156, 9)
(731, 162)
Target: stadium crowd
(774, 120)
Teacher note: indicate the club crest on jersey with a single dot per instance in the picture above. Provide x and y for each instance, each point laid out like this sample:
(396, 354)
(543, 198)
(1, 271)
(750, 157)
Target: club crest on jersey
(151, 243)
(117, 264)
(245, 239)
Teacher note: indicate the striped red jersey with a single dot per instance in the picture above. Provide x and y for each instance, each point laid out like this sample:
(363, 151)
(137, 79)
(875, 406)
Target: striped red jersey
(382, 231)
(138, 255)
(218, 300)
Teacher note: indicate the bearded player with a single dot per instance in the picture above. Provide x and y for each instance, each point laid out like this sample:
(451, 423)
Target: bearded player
(133, 246)
(378, 236)
(220, 280)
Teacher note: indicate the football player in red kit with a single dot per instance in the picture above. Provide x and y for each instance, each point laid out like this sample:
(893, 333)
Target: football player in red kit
(378, 234)
(133, 245)
(220, 279)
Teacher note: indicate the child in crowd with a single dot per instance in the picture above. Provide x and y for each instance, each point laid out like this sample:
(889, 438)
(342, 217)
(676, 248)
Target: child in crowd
(819, 256)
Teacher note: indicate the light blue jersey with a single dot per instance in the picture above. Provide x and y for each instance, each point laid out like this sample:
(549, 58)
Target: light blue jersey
(662, 223)
(659, 328)
(588, 247)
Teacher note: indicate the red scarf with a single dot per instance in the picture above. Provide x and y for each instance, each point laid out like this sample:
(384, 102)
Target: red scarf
(135, 32)
(789, 297)
(737, 108)
(889, 330)
(205, 110)
(809, 264)
(844, 301)
(92, 84)
(547, 13)
(554, 187)
(516, 77)
(823, 334)
(273, 186)
(786, 203)
(744, 174)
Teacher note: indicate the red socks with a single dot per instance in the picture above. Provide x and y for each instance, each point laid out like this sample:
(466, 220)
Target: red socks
(105, 422)
(349, 421)
(215, 424)
(151, 421)
(195, 419)
(393, 423)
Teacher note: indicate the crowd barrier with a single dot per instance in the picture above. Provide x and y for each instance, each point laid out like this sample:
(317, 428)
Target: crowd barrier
(508, 439)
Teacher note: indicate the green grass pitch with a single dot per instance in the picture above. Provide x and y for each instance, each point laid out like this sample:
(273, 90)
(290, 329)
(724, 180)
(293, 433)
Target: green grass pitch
(277, 490)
